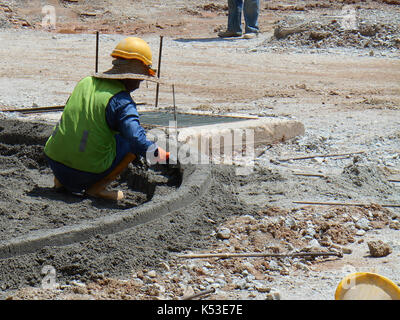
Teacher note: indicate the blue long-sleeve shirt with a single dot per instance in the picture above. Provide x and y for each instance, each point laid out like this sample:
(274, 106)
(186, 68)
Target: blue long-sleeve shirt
(122, 116)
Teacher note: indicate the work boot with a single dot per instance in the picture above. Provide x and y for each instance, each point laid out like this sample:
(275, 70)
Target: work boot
(229, 34)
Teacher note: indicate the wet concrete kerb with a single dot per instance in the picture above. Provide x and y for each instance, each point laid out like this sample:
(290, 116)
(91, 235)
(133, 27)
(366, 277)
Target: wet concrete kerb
(195, 180)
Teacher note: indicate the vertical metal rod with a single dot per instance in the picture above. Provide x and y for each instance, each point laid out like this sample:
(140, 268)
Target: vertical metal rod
(173, 95)
(158, 69)
(97, 52)
(175, 120)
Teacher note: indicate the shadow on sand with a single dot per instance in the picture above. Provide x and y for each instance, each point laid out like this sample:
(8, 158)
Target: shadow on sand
(215, 39)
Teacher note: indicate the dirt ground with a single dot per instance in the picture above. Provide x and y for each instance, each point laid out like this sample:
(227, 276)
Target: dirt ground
(343, 85)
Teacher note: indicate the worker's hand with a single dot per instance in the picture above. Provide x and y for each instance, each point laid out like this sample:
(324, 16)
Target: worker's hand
(159, 155)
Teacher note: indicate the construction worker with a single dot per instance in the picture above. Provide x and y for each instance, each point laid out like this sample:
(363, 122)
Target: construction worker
(99, 132)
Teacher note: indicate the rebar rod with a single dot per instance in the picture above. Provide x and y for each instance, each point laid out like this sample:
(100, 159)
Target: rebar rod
(158, 69)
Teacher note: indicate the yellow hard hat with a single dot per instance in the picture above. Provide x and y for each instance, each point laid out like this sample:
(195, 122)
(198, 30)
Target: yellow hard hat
(367, 286)
(134, 48)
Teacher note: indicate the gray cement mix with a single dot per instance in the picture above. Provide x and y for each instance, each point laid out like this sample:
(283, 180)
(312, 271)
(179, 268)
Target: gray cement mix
(118, 254)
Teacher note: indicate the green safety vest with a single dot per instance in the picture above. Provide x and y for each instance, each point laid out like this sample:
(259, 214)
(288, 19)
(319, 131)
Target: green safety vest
(82, 139)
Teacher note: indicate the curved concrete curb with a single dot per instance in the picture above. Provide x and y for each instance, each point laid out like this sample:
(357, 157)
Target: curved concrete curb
(195, 182)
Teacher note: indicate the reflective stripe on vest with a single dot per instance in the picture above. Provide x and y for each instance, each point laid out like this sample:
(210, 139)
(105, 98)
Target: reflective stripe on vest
(84, 139)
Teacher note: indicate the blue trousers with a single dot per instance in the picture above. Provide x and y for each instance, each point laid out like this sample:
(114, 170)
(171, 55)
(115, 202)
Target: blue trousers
(251, 10)
(77, 181)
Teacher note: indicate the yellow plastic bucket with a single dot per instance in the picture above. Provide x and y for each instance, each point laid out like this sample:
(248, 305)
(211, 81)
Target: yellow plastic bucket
(366, 286)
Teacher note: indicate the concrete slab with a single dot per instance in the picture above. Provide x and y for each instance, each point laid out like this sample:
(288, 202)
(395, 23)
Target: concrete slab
(263, 130)
(231, 143)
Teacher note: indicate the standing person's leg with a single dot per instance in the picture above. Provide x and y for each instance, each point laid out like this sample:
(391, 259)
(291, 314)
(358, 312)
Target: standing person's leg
(251, 12)
(235, 8)
(235, 15)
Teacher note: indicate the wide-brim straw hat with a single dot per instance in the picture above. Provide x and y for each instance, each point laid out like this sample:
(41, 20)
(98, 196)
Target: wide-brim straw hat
(128, 69)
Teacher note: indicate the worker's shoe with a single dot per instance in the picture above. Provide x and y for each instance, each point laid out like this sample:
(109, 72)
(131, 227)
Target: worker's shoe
(229, 34)
(105, 194)
(250, 35)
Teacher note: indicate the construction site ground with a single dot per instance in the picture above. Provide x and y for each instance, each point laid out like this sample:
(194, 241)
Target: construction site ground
(344, 88)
